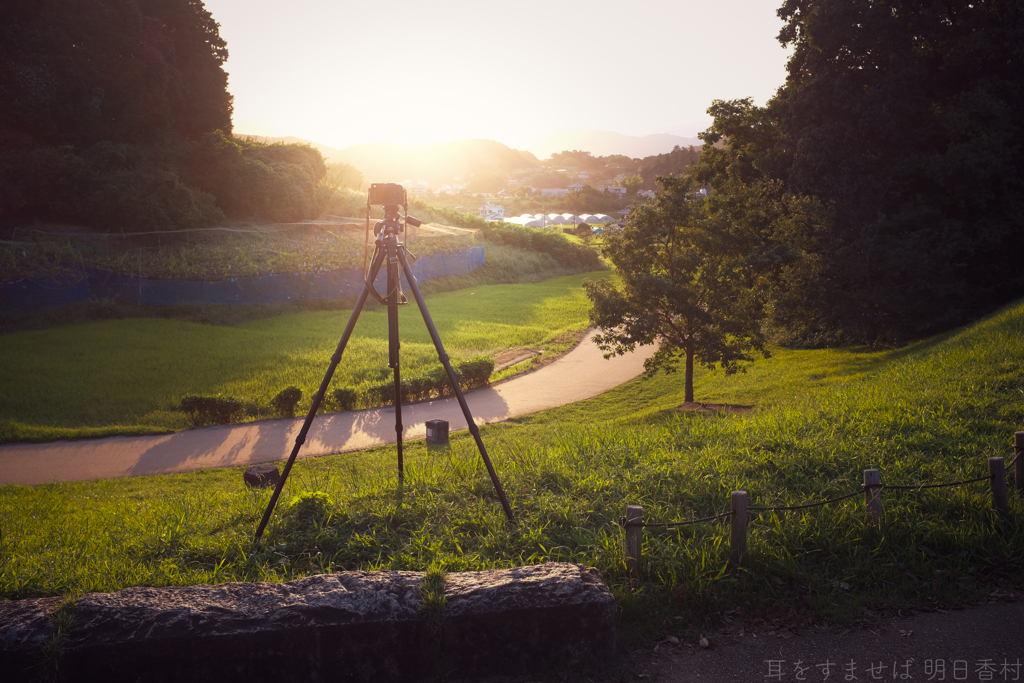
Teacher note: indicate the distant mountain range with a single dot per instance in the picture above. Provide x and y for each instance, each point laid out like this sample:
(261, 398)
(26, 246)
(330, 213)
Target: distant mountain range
(446, 162)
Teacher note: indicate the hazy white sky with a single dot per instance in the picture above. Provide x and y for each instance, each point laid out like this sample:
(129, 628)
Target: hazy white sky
(342, 73)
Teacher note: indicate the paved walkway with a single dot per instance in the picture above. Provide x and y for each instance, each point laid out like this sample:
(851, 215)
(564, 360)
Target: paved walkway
(580, 374)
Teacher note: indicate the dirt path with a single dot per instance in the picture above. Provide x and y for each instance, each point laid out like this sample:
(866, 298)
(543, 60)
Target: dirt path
(580, 374)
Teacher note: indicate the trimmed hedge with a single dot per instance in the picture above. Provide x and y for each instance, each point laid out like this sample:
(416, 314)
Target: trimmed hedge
(284, 403)
(207, 410)
(471, 374)
(345, 399)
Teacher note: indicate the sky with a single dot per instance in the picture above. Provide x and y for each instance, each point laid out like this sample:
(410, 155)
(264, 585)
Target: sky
(341, 73)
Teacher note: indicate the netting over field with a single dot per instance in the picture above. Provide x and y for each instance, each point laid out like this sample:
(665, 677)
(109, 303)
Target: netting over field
(27, 296)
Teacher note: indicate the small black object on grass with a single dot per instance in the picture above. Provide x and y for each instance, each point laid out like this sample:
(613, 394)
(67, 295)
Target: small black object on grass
(261, 476)
(437, 432)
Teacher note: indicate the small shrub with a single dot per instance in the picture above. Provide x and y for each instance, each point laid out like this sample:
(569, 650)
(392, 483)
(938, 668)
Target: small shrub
(284, 403)
(439, 384)
(310, 506)
(345, 399)
(207, 410)
(475, 372)
(384, 393)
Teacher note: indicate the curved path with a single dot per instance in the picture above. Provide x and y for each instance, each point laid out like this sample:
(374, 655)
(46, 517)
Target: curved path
(580, 374)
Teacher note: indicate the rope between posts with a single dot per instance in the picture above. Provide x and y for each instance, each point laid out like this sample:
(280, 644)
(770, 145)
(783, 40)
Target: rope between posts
(782, 508)
(624, 523)
(929, 486)
(808, 505)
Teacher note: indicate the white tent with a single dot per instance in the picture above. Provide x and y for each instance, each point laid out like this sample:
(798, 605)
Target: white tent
(555, 218)
(526, 220)
(602, 218)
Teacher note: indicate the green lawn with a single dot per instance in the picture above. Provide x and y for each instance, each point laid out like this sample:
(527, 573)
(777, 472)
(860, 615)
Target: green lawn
(129, 376)
(932, 412)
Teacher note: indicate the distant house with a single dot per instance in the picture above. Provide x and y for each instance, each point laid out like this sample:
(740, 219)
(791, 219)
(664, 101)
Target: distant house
(620, 191)
(576, 187)
(583, 175)
(492, 212)
(420, 189)
(554, 192)
(646, 193)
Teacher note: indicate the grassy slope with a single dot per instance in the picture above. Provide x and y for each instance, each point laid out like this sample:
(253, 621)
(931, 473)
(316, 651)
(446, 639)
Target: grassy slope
(929, 413)
(128, 376)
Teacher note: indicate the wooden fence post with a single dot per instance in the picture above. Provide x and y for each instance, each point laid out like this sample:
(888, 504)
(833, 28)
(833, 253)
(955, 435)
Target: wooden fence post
(634, 539)
(738, 535)
(997, 471)
(1018, 454)
(873, 496)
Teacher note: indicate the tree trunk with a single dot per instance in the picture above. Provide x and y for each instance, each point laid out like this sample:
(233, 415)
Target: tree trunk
(689, 375)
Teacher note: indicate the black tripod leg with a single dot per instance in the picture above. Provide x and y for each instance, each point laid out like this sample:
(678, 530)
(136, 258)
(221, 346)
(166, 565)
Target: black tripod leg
(443, 357)
(318, 399)
(393, 349)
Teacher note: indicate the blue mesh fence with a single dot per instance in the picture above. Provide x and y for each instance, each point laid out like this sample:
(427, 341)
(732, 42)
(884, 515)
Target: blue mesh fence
(27, 296)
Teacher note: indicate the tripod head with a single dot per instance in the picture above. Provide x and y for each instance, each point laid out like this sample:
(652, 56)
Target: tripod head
(391, 225)
(391, 196)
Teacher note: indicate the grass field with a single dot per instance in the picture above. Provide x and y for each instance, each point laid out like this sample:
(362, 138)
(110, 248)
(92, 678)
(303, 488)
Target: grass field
(129, 376)
(929, 413)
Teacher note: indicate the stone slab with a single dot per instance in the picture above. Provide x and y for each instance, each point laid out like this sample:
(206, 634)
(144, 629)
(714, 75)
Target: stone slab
(349, 626)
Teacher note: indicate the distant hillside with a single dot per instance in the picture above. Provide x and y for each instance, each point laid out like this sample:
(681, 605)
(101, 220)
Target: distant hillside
(438, 163)
(606, 143)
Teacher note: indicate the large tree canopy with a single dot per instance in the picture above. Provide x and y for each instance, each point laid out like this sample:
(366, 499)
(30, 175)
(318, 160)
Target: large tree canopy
(890, 165)
(111, 70)
(687, 285)
(116, 114)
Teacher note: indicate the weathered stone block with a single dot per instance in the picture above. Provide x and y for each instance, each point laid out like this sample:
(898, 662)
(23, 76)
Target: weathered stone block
(260, 476)
(350, 626)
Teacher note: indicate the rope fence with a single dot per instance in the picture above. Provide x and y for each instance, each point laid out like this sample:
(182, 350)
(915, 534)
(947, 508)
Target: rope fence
(633, 522)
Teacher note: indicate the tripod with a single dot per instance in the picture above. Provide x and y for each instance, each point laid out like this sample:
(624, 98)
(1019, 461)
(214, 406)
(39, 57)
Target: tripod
(388, 248)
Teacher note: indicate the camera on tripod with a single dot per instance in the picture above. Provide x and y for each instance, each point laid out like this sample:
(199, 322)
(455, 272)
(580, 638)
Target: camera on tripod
(390, 253)
(386, 194)
(390, 196)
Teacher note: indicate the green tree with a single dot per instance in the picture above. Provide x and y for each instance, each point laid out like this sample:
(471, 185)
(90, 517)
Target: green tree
(119, 70)
(632, 183)
(895, 135)
(343, 176)
(687, 285)
(673, 163)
